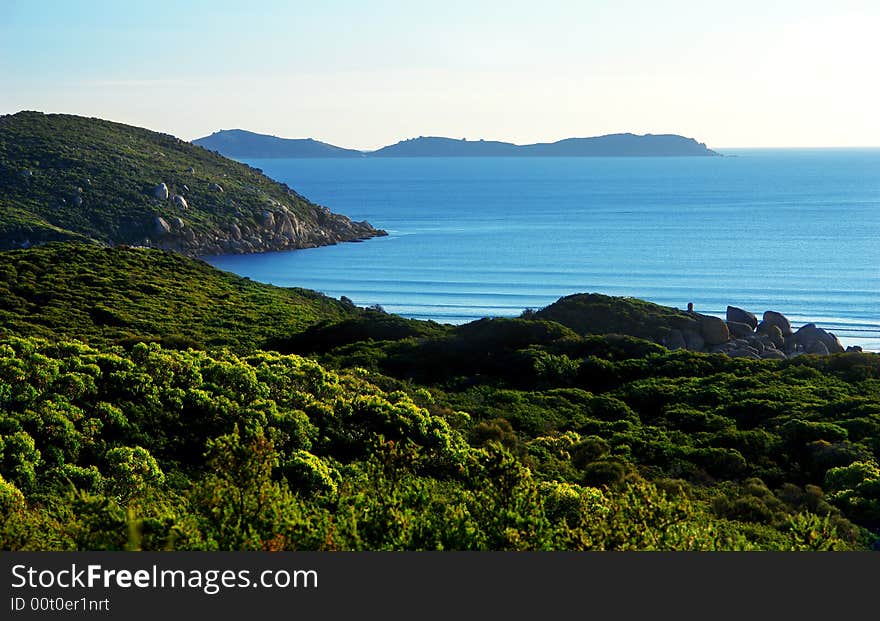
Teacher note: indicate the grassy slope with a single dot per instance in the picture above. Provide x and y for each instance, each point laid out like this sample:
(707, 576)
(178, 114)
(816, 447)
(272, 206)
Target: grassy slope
(593, 313)
(104, 295)
(116, 167)
(751, 443)
(195, 450)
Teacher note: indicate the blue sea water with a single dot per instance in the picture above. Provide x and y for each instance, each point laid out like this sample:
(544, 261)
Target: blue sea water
(797, 231)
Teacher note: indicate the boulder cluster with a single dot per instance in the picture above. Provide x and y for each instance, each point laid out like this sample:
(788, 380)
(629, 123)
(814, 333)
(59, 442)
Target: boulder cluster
(275, 226)
(741, 335)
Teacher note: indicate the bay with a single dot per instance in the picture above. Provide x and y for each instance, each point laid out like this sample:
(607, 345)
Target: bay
(792, 230)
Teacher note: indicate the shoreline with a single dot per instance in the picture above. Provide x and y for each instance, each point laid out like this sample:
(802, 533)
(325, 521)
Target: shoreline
(429, 305)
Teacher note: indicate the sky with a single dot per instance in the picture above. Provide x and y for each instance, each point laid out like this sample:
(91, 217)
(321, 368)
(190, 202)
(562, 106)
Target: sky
(365, 74)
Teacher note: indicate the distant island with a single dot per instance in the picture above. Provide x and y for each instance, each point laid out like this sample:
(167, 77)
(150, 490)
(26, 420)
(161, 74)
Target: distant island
(241, 143)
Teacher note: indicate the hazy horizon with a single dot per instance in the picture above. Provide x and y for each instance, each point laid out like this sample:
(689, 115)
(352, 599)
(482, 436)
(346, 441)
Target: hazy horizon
(469, 139)
(785, 74)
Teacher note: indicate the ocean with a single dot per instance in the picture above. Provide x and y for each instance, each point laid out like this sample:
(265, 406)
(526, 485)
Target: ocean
(791, 230)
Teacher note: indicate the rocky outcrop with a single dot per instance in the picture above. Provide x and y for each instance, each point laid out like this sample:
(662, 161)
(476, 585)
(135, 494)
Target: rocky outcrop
(138, 184)
(268, 230)
(743, 352)
(773, 333)
(591, 314)
(713, 330)
(738, 329)
(741, 316)
(770, 339)
(267, 218)
(772, 318)
(278, 227)
(693, 340)
(161, 226)
(809, 333)
(675, 340)
(817, 347)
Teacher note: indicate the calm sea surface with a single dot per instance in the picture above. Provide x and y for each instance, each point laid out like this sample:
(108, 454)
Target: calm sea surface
(797, 231)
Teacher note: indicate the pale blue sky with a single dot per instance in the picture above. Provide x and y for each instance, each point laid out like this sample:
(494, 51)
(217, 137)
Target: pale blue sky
(365, 74)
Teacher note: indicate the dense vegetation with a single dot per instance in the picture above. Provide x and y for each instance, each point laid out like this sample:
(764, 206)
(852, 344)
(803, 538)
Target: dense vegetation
(397, 434)
(65, 177)
(157, 449)
(122, 295)
(593, 313)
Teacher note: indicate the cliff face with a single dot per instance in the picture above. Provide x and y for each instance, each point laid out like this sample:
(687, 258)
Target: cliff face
(64, 177)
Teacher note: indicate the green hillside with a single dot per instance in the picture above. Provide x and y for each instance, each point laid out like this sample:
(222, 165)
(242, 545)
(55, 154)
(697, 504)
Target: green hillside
(154, 450)
(66, 177)
(117, 295)
(399, 434)
(593, 313)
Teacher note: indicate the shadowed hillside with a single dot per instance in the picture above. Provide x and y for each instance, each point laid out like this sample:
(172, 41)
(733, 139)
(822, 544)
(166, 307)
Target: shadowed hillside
(121, 295)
